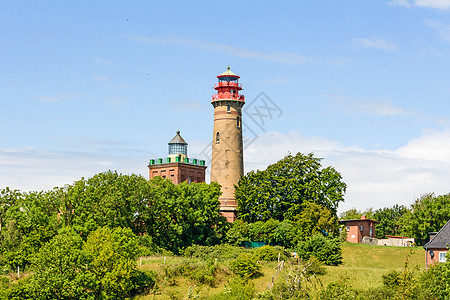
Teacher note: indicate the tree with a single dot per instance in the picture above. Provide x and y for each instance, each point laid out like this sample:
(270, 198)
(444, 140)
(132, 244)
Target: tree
(325, 250)
(61, 269)
(112, 263)
(177, 216)
(314, 219)
(28, 224)
(279, 191)
(428, 213)
(353, 213)
(107, 199)
(388, 218)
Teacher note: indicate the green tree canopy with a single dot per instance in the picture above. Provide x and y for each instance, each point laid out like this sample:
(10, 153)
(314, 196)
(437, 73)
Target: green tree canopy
(61, 269)
(279, 191)
(428, 213)
(177, 216)
(315, 219)
(388, 218)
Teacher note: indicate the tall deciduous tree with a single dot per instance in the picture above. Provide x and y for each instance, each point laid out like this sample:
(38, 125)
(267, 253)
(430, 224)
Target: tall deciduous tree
(61, 269)
(315, 219)
(428, 213)
(388, 218)
(177, 216)
(106, 199)
(279, 191)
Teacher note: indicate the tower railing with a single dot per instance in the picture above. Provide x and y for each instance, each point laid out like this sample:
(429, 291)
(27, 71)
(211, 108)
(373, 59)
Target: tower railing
(226, 96)
(228, 84)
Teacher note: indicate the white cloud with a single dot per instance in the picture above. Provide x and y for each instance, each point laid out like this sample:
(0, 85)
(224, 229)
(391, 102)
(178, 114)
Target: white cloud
(281, 57)
(99, 61)
(99, 77)
(375, 178)
(437, 4)
(29, 169)
(374, 42)
(58, 98)
(442, 29)
(117, 104)
(190, 105)
(378, 107)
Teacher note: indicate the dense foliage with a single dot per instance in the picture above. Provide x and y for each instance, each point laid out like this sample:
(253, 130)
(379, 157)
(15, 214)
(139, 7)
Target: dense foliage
(326, 250)
(279, 191)
(428, 213)
(389, 221)
(104, 223)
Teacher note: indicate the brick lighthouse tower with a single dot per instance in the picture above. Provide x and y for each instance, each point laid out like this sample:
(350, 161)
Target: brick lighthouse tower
(227, 163)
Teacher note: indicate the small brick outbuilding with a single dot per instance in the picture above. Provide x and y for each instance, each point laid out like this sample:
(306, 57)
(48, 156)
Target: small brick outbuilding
(359, 228)
(437, 248)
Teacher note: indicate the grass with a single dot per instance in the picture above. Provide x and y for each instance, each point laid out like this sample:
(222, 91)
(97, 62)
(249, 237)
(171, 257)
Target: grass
(364, 265)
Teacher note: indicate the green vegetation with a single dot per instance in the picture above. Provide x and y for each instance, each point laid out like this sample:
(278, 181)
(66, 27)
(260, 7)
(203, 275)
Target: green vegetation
(427, 214)
(117, 236)
(279, 191)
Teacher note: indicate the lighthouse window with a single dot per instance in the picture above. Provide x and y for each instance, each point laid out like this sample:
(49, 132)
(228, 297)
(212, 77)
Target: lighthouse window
(238, 122)
(217, 137)
(228, 109)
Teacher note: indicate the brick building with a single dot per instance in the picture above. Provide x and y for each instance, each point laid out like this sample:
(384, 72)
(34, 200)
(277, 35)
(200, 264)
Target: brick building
(359, 228)
(177, 166)
(437, 248)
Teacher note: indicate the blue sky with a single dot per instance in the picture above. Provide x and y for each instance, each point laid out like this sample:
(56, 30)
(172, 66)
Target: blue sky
(87, 87)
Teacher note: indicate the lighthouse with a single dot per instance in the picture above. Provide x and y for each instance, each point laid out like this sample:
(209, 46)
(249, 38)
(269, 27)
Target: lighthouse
(227, 162)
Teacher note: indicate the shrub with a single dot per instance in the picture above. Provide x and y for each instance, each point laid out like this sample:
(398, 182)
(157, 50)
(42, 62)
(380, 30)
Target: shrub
(245, 266)
(391, 279)
(198, 271)
(326, 250)
(341, 290)
(237, 289)
(269, 253)
(222, 252)
(297, 282)
(435, 281)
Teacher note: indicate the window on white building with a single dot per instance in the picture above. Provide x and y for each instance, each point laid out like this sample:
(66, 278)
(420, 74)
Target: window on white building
(442, 256)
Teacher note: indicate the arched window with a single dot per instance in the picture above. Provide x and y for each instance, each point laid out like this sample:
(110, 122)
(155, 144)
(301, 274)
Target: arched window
(228, 109)
(217, 137)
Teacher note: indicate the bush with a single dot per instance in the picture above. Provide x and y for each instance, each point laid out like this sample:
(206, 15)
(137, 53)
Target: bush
(222, 252)
(245, 266)
(198, 271)
(435, 281)
(237, 289)
(341, 290)
(326, 250)
(297, 282)
(269, 253)
(391, 279)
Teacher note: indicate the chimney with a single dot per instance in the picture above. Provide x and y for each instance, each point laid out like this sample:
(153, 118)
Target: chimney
(432, 234)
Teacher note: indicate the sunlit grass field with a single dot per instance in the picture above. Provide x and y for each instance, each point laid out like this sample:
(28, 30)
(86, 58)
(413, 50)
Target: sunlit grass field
(363, 265)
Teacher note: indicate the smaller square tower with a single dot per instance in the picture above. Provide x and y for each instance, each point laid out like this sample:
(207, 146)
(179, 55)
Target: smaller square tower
(177, 166)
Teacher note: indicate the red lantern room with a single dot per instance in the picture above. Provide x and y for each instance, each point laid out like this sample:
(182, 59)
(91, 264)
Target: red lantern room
(228, 87)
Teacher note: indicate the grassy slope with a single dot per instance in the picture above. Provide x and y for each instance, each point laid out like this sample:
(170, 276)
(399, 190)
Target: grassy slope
(363, 265)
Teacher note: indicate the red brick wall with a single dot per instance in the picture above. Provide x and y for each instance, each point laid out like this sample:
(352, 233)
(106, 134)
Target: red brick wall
(178, 172)
(354, 232)
(430, 261)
